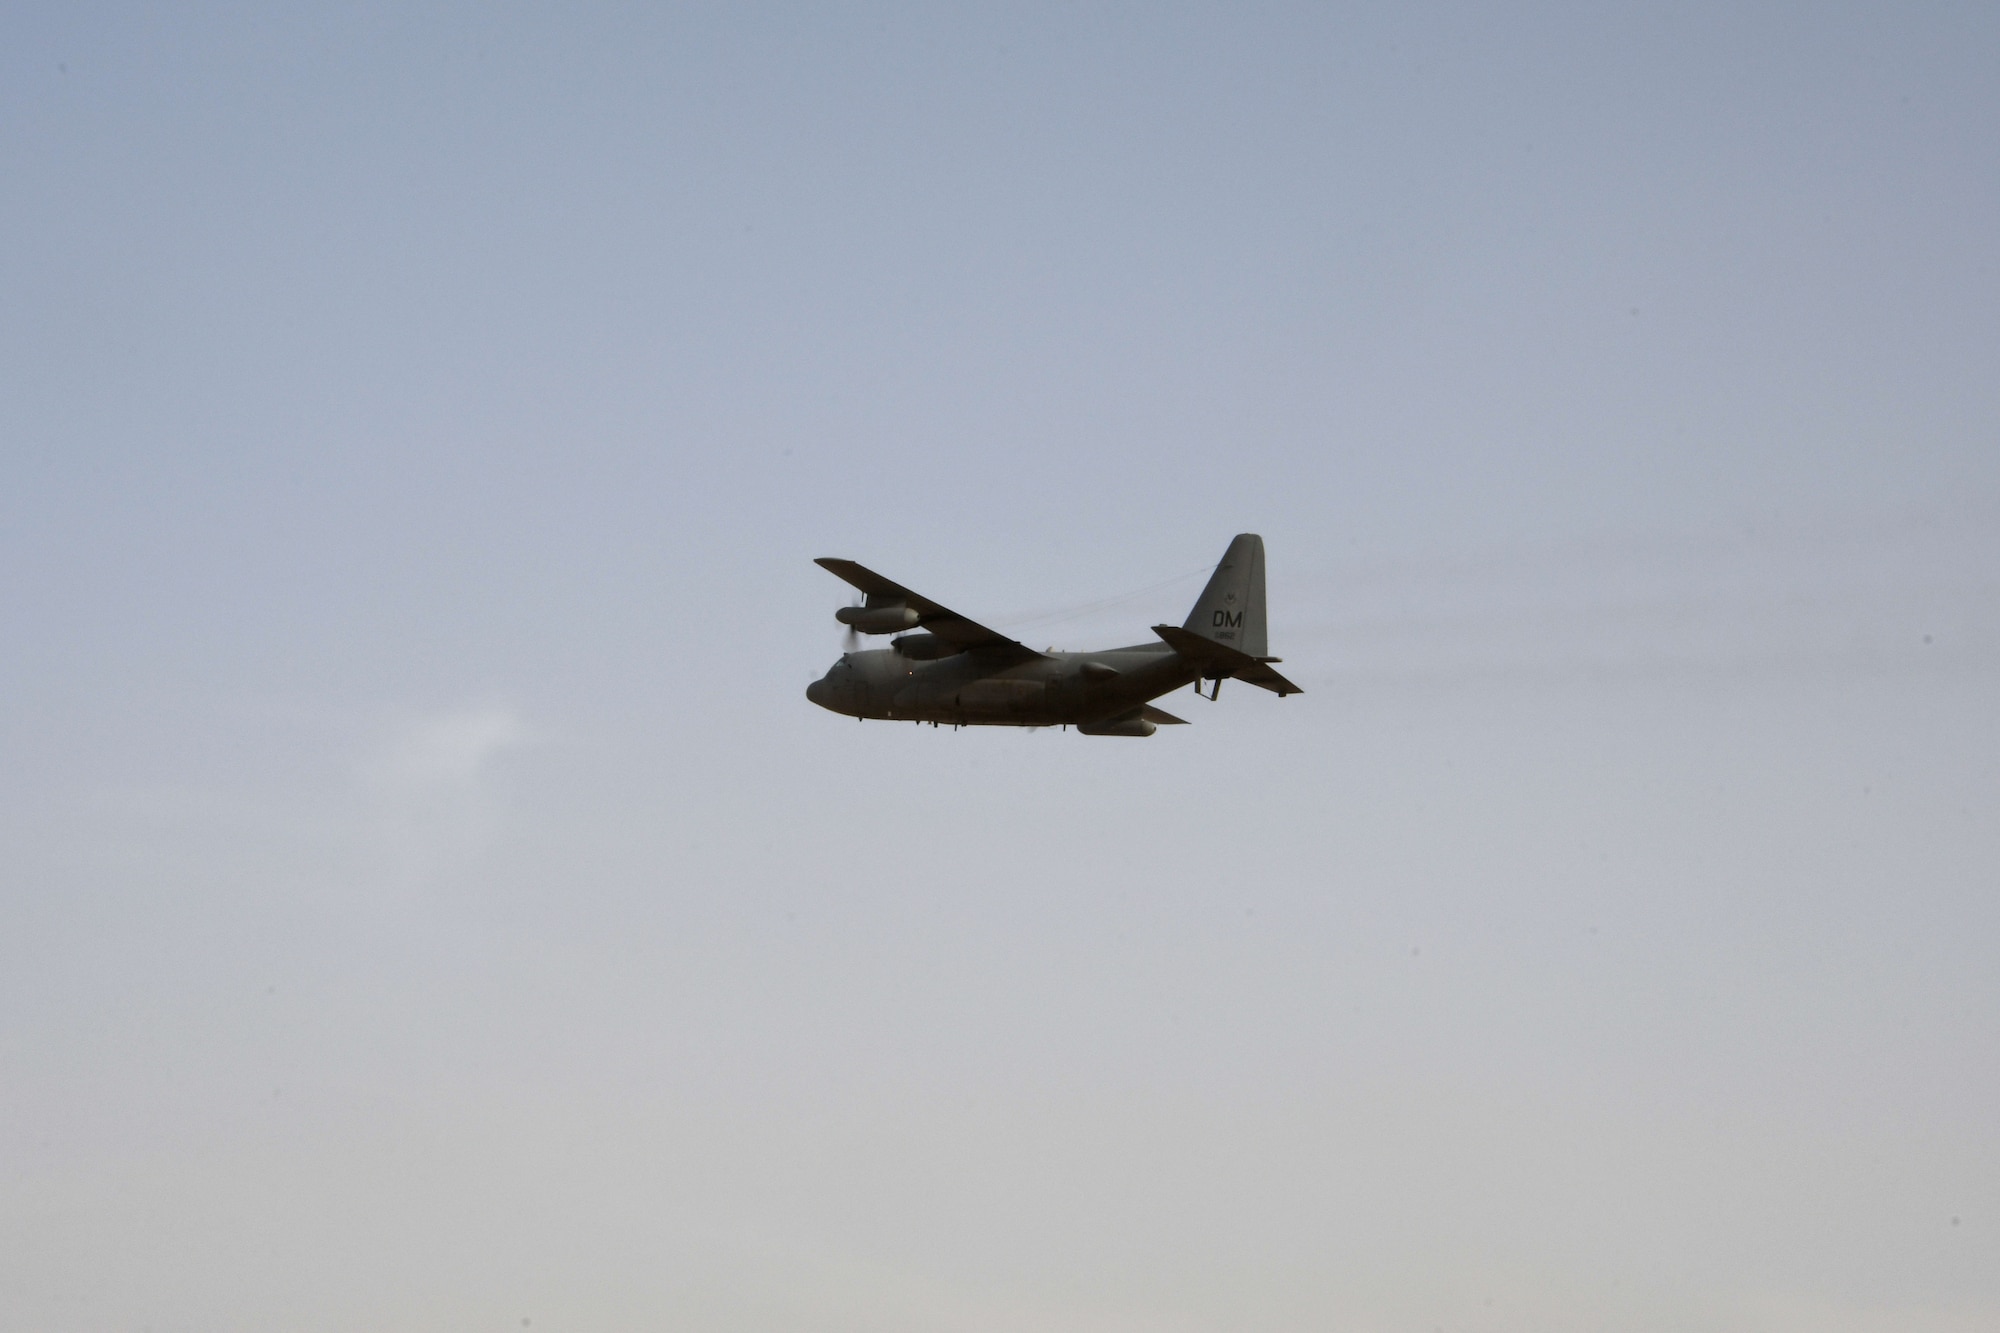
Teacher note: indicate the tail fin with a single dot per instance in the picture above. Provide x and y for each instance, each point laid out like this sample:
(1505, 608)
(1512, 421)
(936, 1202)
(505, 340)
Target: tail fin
(1231, 608)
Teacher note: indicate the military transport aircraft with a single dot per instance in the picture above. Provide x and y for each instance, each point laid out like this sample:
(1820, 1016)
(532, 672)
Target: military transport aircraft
(965, 674)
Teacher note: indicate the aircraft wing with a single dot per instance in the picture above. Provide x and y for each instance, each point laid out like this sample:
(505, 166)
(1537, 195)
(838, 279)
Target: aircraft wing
(942, 621)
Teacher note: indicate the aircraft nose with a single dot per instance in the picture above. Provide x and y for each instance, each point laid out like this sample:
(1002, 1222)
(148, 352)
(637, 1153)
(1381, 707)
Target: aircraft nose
(816, 693)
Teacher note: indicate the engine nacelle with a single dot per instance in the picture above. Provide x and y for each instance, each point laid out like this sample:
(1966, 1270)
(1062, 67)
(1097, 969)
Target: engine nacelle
(924, 647)
(878, 619)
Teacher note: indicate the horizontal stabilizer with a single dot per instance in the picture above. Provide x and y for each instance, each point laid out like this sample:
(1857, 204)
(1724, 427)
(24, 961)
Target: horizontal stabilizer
(1161, 717)
(1219, 659)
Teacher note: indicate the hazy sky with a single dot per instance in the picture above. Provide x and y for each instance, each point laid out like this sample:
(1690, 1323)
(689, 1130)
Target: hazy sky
(428, 902)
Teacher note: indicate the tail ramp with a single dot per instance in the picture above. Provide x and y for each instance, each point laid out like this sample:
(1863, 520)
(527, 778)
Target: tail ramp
(1231, 608)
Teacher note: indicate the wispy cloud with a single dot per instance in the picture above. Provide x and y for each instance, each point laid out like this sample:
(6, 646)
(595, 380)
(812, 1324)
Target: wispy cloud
(445, 753)
(428, 787)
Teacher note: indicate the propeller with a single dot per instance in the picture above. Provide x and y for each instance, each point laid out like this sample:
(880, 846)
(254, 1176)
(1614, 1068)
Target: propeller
(851, 640)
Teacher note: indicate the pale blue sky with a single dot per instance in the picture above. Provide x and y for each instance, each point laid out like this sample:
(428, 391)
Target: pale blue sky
(427, 900)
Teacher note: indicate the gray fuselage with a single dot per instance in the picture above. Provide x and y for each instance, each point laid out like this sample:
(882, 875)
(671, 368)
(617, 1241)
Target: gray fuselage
(972, 689)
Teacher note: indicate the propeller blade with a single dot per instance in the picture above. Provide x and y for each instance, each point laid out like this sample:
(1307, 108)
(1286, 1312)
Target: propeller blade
(851, 640)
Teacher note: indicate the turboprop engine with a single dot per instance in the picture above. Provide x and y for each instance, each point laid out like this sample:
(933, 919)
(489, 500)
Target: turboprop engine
(878, 619)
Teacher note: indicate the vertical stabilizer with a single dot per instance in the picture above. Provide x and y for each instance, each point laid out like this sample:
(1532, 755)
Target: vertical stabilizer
(1231, 608)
